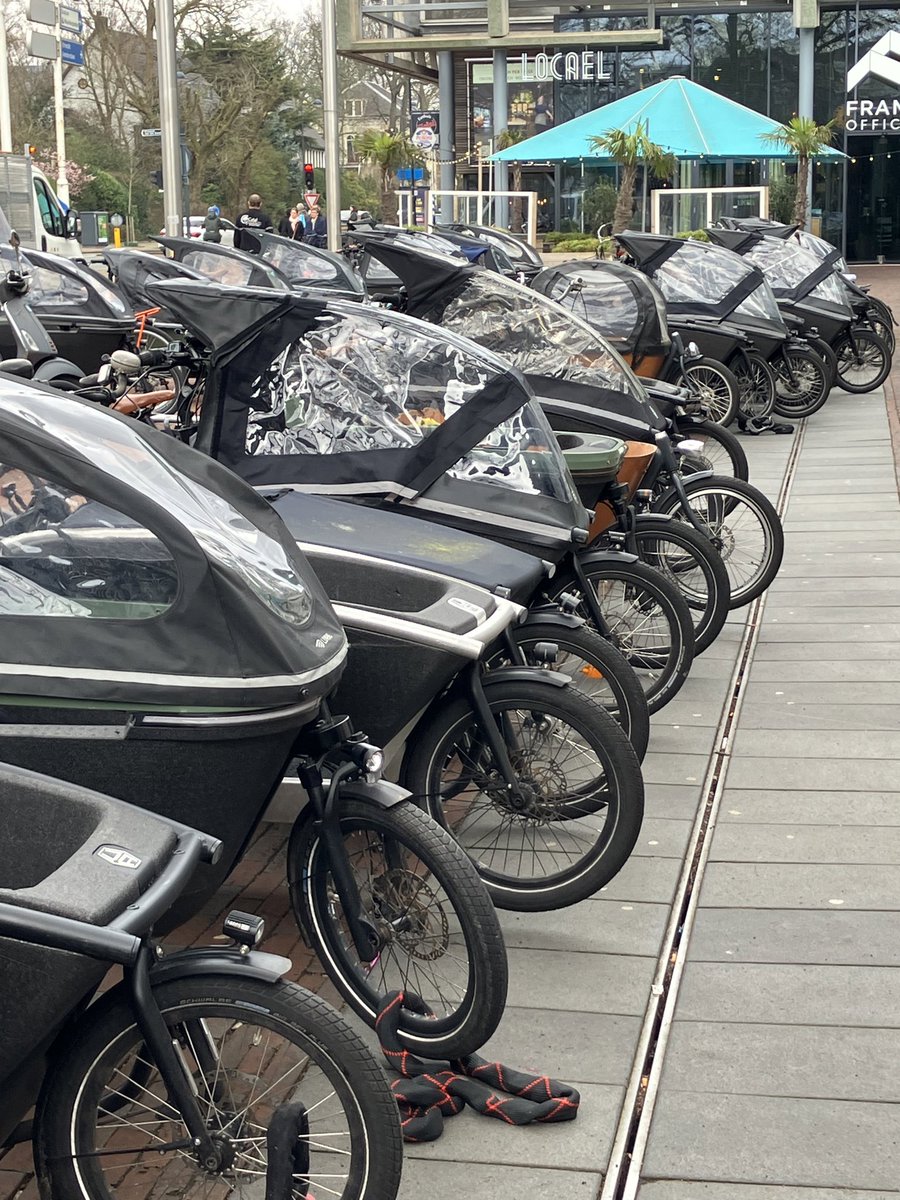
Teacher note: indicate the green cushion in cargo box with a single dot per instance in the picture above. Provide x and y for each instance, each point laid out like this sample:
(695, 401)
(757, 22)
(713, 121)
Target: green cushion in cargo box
(592, 454)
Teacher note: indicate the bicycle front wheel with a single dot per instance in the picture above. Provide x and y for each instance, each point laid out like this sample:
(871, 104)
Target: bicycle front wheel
(576, 813)
(439, 933)
(743, 525)
(247, 1048)
(801, 384)
(690, 562)
(647, 620)
(595, 668)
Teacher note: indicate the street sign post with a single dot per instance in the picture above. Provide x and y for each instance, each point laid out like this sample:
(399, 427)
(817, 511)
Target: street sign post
(151, 133)
(311, 199)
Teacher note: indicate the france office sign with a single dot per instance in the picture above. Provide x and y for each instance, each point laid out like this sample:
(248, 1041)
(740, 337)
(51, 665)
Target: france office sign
(881, 63)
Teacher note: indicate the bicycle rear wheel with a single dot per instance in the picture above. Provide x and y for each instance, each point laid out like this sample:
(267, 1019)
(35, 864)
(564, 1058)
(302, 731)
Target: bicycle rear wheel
(248, 1047)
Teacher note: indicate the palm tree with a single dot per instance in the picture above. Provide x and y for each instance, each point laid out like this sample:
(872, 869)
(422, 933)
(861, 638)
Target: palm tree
(389, 153)
(804, 138)
(631, 150)
(511, 137)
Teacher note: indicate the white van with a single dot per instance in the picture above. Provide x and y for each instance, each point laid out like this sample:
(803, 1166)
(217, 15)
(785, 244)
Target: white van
(31, 208)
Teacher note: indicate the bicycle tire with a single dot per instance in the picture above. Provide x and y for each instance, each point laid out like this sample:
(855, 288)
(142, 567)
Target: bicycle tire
(729, 449)
(66, 1157)
(719, 390)
(695, 568)
(734, 496)
(880, 317)
(868, 347)
(756, 382)
(661, 669)
(810, 391)
(625, 700)
(820, 347)
(571, 824)
(448, 1035)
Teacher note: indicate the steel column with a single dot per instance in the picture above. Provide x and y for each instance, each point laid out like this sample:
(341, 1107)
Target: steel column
(169, 121)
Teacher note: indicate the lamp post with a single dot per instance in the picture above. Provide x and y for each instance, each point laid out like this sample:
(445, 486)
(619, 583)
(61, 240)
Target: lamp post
(169, 123)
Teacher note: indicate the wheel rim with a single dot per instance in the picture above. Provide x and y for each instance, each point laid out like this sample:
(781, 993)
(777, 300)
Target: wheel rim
(243, 1066)
(756, 389)
(639, 628)
(807, 386)
(740, 531)
(715, 391)
(395, 885)
(681, 568)
(864, 366)
(560, 821)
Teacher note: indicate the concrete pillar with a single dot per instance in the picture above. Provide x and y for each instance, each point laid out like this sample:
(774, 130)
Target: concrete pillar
(805, 91)
(501, 124)
(448, 132)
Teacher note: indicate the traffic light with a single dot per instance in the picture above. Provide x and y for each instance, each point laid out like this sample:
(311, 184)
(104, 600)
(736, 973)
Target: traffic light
(156, 178)
(309, 175)
(31, 150)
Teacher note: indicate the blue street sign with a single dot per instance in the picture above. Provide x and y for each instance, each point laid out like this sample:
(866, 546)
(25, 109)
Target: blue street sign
(408, 174)
(72, 52)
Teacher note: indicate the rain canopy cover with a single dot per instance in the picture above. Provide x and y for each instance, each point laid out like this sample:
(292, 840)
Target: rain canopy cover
(134, 570)
(536, 334)
(699, 274)
(335, 397)
(307, 266)
(617, 300)
(789, 268)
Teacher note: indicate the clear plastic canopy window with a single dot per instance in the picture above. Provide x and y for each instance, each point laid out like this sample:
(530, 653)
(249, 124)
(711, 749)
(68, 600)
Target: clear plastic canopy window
(225, 535)
(603, 301)
(787, 265)
(695, 274)
(536, 334)
(373, 381)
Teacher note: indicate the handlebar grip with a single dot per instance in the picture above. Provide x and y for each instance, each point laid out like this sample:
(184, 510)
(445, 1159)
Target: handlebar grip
(154, 358)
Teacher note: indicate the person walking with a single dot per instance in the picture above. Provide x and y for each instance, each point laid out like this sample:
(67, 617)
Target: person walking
(212, 225)
(543, 114)
(352, 217)
(254, 218)
(286, 224)
(316, 228)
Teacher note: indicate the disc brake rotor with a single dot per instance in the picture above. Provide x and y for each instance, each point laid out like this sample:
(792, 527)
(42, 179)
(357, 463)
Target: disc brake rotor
(408, 913)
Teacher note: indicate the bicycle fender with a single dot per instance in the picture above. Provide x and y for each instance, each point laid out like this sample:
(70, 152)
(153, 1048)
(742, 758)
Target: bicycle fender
(589, 557)
(381, 793)
(524, 675)
(550, 614)
(57, 368)
(210, 960)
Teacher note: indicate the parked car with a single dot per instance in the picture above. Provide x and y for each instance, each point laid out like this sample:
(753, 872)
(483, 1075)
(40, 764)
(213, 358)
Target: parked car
(363, 214)
(193, 227)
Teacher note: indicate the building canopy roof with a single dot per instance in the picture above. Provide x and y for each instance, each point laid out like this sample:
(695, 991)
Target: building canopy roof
(683, 117)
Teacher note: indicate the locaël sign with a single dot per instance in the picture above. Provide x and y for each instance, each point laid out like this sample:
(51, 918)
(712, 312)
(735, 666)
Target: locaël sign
(583, 67)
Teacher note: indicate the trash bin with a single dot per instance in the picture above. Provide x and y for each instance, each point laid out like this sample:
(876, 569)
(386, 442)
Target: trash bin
(94, 228)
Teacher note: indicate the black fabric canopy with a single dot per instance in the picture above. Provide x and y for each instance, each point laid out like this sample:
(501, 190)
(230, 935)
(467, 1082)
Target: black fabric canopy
(141, 572)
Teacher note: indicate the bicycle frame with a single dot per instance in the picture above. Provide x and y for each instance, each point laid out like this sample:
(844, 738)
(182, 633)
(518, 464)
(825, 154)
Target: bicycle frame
(143, 965)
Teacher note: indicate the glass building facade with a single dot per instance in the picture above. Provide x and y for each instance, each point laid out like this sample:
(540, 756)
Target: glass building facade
(750, 54)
